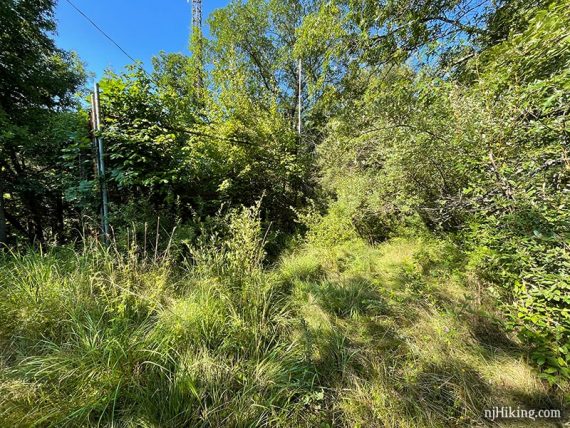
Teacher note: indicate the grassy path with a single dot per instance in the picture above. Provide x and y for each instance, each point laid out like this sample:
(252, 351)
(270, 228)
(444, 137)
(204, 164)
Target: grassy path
(428, 347)
(395, 335)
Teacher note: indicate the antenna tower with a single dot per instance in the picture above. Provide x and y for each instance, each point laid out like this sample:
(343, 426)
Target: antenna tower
(197, 14)
(196, 42)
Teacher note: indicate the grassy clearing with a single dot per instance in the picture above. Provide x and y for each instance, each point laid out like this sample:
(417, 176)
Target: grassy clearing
(350, 335)
(421, 342)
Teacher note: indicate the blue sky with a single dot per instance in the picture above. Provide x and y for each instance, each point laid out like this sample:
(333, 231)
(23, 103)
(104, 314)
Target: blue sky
(141, 27)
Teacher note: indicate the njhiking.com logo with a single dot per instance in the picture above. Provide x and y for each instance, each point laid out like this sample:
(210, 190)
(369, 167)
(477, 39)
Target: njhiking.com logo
(508, 412)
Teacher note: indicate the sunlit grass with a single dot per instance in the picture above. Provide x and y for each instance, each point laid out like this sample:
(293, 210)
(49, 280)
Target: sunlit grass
(349, 335)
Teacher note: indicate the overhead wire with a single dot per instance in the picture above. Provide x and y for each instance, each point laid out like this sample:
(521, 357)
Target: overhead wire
(186, 131)
(100, 30)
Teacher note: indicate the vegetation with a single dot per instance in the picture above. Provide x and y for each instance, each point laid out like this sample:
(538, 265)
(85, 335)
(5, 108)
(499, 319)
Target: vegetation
(343, 335)
(403, 261)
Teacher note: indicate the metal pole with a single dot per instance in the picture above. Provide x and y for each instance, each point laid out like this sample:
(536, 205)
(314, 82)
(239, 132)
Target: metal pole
(101, 166)
(300, 101)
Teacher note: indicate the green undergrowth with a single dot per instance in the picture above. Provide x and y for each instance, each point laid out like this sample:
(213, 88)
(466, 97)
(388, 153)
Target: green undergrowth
(394, 335)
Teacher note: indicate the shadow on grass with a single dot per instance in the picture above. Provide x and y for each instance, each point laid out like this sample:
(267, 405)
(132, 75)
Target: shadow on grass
(367, 327)
(492, 337)
(448, 393)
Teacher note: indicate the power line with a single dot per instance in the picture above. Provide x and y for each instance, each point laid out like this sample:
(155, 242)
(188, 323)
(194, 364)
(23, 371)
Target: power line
(187, 131)
(110, 38)
(100, 30)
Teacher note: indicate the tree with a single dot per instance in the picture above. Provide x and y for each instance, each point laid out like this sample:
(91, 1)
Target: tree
(255, 52)
(482, 155)
(37, 85)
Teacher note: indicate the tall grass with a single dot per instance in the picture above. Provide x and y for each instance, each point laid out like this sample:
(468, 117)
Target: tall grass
(102, 337)
(349, 335)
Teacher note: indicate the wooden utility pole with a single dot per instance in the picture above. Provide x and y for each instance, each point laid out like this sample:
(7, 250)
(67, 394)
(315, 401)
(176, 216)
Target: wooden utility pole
(300, 100)
(96, 119)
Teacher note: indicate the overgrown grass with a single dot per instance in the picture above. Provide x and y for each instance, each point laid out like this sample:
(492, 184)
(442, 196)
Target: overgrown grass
(348, 335)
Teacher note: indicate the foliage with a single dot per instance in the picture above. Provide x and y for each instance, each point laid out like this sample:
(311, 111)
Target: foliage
(487, 160)
(527, 215)
(37, 84)
(163, 147)
(445, 117)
